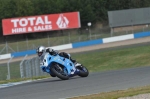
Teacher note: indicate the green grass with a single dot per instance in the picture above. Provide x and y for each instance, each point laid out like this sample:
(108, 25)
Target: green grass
(117, 94)
(14, 71)
(117, 59)
(3, 72)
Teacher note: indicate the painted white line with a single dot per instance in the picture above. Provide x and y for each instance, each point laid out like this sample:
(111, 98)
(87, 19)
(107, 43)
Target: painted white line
(18, 83)
(13, 84)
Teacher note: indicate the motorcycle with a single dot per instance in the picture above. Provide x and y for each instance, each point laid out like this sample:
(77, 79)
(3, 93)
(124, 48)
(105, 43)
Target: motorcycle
(62, 67)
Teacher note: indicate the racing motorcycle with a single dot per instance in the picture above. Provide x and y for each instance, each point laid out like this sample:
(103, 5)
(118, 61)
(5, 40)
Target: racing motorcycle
(63, 68)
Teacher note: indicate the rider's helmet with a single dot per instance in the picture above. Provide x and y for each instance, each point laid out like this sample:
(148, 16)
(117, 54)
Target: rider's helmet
(40, 50)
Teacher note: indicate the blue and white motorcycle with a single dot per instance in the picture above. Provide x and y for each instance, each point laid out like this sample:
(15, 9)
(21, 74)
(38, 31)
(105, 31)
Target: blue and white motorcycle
(62, 67)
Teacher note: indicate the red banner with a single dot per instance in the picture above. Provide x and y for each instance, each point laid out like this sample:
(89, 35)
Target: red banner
(41, 23)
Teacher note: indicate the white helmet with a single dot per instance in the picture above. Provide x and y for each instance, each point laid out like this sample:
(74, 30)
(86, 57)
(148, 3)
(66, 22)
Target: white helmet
(40, 50)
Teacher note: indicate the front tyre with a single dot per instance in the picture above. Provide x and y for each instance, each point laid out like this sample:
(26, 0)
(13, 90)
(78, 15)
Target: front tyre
(83, 71)
(60, 72)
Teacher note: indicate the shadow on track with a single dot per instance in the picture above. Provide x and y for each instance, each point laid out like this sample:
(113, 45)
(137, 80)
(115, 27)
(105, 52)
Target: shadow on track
(53, 80)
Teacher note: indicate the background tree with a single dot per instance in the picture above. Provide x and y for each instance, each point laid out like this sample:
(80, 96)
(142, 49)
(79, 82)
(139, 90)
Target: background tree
(90, 10)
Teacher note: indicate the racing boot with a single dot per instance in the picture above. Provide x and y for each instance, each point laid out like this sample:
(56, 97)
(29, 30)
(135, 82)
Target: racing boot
(74, 61)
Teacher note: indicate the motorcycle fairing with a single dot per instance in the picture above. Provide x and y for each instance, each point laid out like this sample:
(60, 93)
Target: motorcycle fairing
(49, 59)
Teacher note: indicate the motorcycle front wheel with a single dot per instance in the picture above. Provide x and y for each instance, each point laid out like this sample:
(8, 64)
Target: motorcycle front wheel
(60, 72)
(83, 71)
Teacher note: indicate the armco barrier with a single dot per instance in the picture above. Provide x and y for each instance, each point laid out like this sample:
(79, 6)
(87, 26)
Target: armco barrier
(5, 56)
(87, 43)
(31, 52)
(140, 35)
(23, 53)
(62, 47)
(82, 44)
(118, 38)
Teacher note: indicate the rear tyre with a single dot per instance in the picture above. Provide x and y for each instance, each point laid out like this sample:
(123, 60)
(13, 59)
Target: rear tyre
(60, 72)
(83, 71)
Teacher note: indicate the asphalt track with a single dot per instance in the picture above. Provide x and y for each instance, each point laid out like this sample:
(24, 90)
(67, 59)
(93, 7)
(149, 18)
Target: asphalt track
(54, 88)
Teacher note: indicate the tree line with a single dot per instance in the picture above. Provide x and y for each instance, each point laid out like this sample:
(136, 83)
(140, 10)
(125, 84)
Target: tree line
(90, 10)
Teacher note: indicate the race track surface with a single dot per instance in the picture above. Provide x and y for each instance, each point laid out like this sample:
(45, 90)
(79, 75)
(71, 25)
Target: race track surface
(54, 88)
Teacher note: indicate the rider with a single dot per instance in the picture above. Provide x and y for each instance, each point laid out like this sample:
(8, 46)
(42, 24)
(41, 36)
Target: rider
(41, 51)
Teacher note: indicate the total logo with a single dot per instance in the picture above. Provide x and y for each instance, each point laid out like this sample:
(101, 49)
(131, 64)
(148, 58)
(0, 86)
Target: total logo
(62, 22)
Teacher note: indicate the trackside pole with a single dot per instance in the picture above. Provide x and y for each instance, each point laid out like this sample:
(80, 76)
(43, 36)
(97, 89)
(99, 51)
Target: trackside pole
(8, 68)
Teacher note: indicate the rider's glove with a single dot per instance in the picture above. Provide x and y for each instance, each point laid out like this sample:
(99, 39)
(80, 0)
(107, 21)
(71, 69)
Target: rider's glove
(49, 50)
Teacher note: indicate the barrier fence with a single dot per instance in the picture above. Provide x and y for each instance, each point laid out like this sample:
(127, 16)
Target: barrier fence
(66, 37)
(26, 68)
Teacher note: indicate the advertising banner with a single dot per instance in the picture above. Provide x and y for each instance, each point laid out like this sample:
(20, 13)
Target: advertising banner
(41, 23)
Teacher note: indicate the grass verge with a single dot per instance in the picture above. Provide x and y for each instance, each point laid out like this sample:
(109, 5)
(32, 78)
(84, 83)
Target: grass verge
(115, 59)
(117, 94)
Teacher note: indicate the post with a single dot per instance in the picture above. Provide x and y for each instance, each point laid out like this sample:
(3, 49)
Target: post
(89, 25)
(112, 31)
(8, 68)
(21, 67)
(90, 32)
